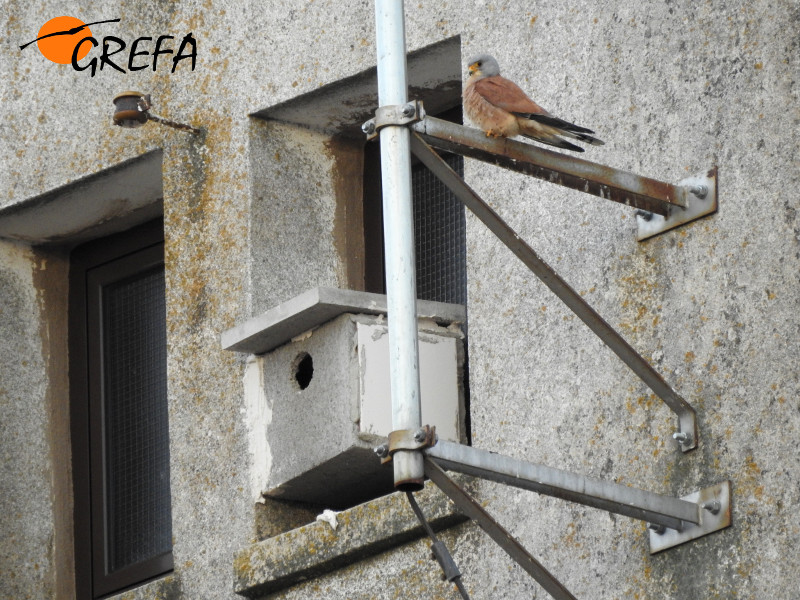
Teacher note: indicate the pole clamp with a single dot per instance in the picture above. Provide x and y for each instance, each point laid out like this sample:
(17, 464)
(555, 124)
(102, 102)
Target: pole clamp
(406, 439)
(393, 114)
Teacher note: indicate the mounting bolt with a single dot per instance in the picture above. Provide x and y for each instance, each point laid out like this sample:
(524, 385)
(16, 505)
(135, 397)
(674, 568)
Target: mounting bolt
(701, 191)
(682, 438)
(656, 528)
(712, 506)
(368, 127)
(409, 110)
(420, 435)
(382, 451)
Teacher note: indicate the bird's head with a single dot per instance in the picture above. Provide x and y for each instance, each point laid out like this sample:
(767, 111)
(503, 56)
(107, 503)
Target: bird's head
(482, 66)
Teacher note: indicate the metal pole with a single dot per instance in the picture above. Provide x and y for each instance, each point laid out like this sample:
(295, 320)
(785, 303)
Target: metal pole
(398, 228)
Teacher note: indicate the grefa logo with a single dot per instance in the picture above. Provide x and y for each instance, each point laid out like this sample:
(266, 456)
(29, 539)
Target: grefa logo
(68, 40)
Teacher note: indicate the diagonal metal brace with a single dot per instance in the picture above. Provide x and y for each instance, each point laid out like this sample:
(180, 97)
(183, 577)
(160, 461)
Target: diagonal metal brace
(687, 421)
(495, 531)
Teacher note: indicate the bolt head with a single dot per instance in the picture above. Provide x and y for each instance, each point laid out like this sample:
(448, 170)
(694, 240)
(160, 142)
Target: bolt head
(656, 528)
(368, 127)
(682, 437)
(420, 435)
(701, 191)
(409, 110)
(382, 451)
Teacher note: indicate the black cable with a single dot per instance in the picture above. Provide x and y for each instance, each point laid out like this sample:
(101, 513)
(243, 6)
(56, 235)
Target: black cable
(440, 552)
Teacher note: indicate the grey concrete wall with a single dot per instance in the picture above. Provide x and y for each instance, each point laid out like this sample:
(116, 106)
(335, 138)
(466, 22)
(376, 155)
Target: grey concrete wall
(26, 519)
(673, 88)
(253, 215)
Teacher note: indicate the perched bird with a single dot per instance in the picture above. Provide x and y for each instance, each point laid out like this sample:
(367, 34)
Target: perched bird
(502, 109)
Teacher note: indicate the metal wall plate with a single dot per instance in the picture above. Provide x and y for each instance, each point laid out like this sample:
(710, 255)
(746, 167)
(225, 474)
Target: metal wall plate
(698, 205)
(713, 517)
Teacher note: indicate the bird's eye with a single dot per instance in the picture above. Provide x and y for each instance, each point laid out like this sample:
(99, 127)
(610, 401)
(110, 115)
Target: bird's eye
(479, 63)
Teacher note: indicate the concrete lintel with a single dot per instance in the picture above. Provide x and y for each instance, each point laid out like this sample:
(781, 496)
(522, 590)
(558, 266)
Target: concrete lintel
(315, 549)
(314, 307)
(434, 76)
(114, 199)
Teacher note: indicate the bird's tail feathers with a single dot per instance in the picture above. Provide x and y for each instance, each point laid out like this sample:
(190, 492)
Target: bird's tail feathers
(553, 140)
(584, 138)
(565, 128)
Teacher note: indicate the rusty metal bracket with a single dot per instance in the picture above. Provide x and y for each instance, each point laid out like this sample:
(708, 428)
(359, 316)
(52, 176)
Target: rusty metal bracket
(405, 439)
(662, 206)
(701, 200)
(687, 434)
(715, 514)
(393, 114)
(565, 170)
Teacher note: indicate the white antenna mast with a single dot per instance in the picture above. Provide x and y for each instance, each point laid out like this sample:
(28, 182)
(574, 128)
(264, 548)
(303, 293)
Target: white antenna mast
(398, 228)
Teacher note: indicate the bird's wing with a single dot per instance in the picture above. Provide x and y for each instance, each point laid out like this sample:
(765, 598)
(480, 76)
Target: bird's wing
(507, 95)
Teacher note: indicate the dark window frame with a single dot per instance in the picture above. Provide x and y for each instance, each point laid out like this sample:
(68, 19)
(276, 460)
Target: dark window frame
(91, 265)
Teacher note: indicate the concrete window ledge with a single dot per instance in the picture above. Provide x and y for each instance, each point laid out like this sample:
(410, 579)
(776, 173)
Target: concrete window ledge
(164, 588)
(316, 548)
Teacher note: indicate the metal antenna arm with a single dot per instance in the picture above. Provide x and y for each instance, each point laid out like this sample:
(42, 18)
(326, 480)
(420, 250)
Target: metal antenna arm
(612, 339)
(566, 170)
(495, 531)
(672, 520)
(612, 497)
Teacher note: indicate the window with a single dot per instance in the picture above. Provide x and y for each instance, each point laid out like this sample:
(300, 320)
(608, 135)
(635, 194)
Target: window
(118, 391)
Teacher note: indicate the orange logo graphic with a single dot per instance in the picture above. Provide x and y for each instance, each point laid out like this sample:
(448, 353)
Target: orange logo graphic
(67, 40)
(58, 37)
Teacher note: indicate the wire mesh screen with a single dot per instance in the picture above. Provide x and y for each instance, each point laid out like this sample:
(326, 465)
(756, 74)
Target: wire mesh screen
(440, 236)
(137, 437)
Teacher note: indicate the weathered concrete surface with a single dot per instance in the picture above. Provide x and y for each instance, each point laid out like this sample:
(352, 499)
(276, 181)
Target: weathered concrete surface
(254, 215)
(673, 88)
(27, 525)
(318, 548)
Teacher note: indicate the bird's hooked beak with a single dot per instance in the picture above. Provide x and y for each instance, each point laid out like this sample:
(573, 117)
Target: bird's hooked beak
(472, 68)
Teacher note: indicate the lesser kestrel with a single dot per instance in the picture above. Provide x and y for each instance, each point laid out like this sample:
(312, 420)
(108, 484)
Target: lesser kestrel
(502, 109)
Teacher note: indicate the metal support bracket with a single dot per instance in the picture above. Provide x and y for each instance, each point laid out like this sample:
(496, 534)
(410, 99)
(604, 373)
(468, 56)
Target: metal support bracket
(661, 206)
(393, 114)
(666, 511)
(687, 434)
(715, 514)
(700, 201)
(672, 521)
(405, 439)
